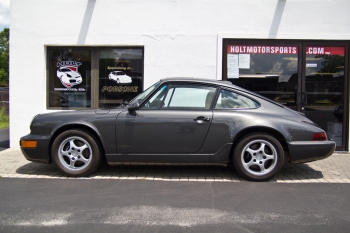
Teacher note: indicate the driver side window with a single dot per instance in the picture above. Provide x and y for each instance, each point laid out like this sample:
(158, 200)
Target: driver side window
(189, 96)
(181, 96)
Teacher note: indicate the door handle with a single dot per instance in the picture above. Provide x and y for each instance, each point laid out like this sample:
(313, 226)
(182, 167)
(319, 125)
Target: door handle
(202, 119)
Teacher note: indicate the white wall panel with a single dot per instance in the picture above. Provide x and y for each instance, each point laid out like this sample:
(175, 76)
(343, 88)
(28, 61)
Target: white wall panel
(180, 36)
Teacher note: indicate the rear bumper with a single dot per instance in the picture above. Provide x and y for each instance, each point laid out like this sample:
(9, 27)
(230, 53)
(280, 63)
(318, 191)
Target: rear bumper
(308, 151)
(39, 154)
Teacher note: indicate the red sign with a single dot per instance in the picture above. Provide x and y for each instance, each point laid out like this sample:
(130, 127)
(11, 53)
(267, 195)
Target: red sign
(261, 49)
(325, 50)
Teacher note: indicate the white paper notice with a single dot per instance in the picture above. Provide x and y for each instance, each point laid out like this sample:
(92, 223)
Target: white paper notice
(232, 66)
(244, 61)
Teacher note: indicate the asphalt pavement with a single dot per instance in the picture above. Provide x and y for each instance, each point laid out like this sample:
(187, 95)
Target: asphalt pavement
(56, 205)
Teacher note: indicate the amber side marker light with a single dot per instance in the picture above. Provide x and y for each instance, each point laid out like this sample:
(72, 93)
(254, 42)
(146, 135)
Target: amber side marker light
(319, 137)
(29, 144)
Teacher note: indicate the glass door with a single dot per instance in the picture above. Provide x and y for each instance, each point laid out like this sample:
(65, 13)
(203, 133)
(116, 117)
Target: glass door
(323, 89)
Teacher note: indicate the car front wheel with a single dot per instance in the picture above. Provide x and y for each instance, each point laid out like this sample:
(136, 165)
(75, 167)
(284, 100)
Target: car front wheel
(258, 157)
(76, 153)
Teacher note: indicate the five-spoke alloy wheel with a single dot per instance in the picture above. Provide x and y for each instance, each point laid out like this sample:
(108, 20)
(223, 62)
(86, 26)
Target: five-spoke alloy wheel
(76, 153)
(258, 157)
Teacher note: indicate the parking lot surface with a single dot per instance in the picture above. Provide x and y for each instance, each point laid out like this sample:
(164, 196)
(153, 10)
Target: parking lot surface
(334, 169)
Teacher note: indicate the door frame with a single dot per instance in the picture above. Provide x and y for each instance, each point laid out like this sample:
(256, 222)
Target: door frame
(345, 44)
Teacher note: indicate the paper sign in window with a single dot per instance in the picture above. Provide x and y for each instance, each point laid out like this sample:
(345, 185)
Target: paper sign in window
(244, 61)
(232, 66)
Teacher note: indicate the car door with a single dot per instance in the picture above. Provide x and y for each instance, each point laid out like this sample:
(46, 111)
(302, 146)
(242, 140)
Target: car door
(175, 120)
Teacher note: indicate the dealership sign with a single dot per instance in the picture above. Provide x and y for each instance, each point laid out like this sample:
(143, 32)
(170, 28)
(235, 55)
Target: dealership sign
(261, 49)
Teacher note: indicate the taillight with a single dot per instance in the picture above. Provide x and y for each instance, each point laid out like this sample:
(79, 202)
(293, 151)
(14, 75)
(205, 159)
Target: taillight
(319, 137)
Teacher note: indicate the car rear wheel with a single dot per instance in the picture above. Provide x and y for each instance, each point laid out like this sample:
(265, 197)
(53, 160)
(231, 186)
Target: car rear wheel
(76, 153)
(258, 157)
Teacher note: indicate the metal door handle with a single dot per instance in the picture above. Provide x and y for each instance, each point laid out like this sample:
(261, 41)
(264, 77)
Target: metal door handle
(202, 119)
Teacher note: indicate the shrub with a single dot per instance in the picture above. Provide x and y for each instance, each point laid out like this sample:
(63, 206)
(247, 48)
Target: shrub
(4, 118)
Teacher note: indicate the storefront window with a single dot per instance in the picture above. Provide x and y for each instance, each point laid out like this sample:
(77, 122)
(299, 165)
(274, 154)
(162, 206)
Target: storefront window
(120, 75)
(271, 71)
(93, 77)
(69, 78)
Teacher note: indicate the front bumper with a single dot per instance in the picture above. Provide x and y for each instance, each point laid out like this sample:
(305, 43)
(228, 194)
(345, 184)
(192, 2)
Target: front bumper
(308, 151)
(41, 153)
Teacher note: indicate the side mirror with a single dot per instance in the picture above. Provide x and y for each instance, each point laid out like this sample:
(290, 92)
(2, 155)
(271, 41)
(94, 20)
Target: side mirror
(134, 106)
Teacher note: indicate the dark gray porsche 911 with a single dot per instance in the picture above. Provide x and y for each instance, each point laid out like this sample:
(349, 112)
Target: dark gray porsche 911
(182, 120)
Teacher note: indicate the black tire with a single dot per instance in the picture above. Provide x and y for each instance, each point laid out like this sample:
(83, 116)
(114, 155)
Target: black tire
(258, 157)
(76, 153)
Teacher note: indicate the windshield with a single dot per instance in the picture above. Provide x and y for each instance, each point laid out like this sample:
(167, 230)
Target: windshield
(141, 96)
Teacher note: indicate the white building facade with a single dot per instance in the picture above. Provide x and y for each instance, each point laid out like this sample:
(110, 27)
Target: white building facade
(71, 55)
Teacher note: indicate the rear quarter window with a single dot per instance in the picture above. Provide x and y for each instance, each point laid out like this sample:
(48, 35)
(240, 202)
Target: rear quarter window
(232, 100)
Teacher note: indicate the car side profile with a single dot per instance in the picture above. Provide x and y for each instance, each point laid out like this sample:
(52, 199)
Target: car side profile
(120, 77)
(68, 77)
(180, 120)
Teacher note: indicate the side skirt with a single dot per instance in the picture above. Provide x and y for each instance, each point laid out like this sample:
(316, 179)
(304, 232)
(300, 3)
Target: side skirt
(220, 157)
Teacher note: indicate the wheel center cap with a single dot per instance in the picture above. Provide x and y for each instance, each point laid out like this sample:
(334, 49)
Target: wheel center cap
(259, 157)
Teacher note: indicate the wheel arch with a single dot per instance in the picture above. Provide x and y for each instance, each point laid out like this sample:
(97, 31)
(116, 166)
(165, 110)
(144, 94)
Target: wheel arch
(86, 128)
(273, 132)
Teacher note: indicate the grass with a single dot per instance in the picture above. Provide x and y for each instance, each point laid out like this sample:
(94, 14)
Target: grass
(4, 118)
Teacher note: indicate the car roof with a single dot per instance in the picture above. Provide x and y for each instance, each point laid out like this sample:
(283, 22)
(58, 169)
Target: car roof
(201, 80)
